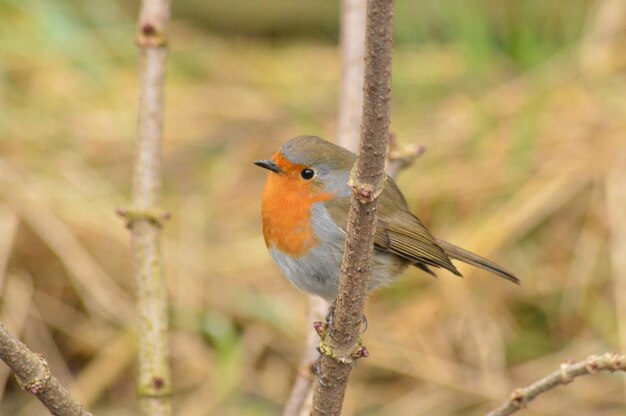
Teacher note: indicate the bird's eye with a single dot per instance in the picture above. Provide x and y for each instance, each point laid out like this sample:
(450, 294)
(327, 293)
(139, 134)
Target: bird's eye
(307, 173)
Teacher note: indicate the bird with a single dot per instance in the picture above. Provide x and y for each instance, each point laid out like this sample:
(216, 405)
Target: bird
(305, 205)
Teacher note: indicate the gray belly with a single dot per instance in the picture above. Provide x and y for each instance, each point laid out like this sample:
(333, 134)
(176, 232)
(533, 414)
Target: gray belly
(317, 272)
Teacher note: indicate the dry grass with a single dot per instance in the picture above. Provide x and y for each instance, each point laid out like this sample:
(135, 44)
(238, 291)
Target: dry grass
(526, 168)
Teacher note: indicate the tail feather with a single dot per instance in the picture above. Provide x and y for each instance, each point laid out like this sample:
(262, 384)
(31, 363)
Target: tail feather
(475, 260)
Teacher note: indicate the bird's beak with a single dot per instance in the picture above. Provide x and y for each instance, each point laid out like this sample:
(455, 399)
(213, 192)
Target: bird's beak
(268, 164)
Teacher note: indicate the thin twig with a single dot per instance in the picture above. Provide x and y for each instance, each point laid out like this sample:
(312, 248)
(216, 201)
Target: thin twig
(33, 375)
(300, 398)
(340, 349)
(352, 69)
(399, 159)
(144, 218)
(521, 397)
(17, 299)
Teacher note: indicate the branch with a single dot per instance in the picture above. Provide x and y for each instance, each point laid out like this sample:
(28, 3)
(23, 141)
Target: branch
(33, 375)
(144, 219)
(520, 397)
(348, 130)
(340, 349)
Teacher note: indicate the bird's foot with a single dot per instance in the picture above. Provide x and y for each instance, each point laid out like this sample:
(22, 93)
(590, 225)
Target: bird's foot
(318, 371)
(329, 320)
(328, 343)
(331, 311)
(328, 346)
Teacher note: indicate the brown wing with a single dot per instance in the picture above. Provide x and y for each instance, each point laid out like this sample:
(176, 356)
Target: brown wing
(403, 234)
(407, 237)
(398, 231)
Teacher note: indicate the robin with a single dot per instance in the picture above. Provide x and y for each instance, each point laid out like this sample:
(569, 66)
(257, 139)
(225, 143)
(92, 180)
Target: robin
(305, 211)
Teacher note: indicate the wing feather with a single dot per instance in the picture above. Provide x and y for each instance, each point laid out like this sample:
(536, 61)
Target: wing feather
(408, 238)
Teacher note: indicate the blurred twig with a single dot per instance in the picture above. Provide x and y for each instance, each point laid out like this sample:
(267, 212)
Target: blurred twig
(565, 375)
(33, 375)
(17, 300)
(367, 179)
(399, 159)
(301, 397)
(352, 68)
(143, 219)
(602, 43)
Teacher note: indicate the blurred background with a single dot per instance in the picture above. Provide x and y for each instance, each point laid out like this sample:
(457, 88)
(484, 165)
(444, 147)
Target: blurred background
(520, 104)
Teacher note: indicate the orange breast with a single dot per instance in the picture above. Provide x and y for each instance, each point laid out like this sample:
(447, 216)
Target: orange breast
(287, 202)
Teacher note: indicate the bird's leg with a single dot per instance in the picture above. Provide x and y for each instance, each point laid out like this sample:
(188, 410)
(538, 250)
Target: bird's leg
(318, 371)
(324, 330)
(329, 317)
(326, 348)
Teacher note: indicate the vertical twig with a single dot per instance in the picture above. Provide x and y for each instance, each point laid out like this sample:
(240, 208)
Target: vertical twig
(300, 398)
(352, 69)
(366, 180)
(144, 219)
(33, 375)
(348, 130)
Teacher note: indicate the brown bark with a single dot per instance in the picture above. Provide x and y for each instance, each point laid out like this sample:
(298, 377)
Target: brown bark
(145, 219)
(348, 130)
(33, 375)
(366, 180)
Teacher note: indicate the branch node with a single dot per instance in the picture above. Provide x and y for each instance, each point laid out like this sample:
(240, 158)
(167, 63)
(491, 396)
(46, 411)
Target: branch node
(158, 383)
(150, 36)
(365, 192)
(155, 390)
(37, 384)
(518, 398)
(324, 348)
(364, 352)
(592, 367)
(320, 327)
(566, 378)
(617, 362)
(132, 216)
(148, 30)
